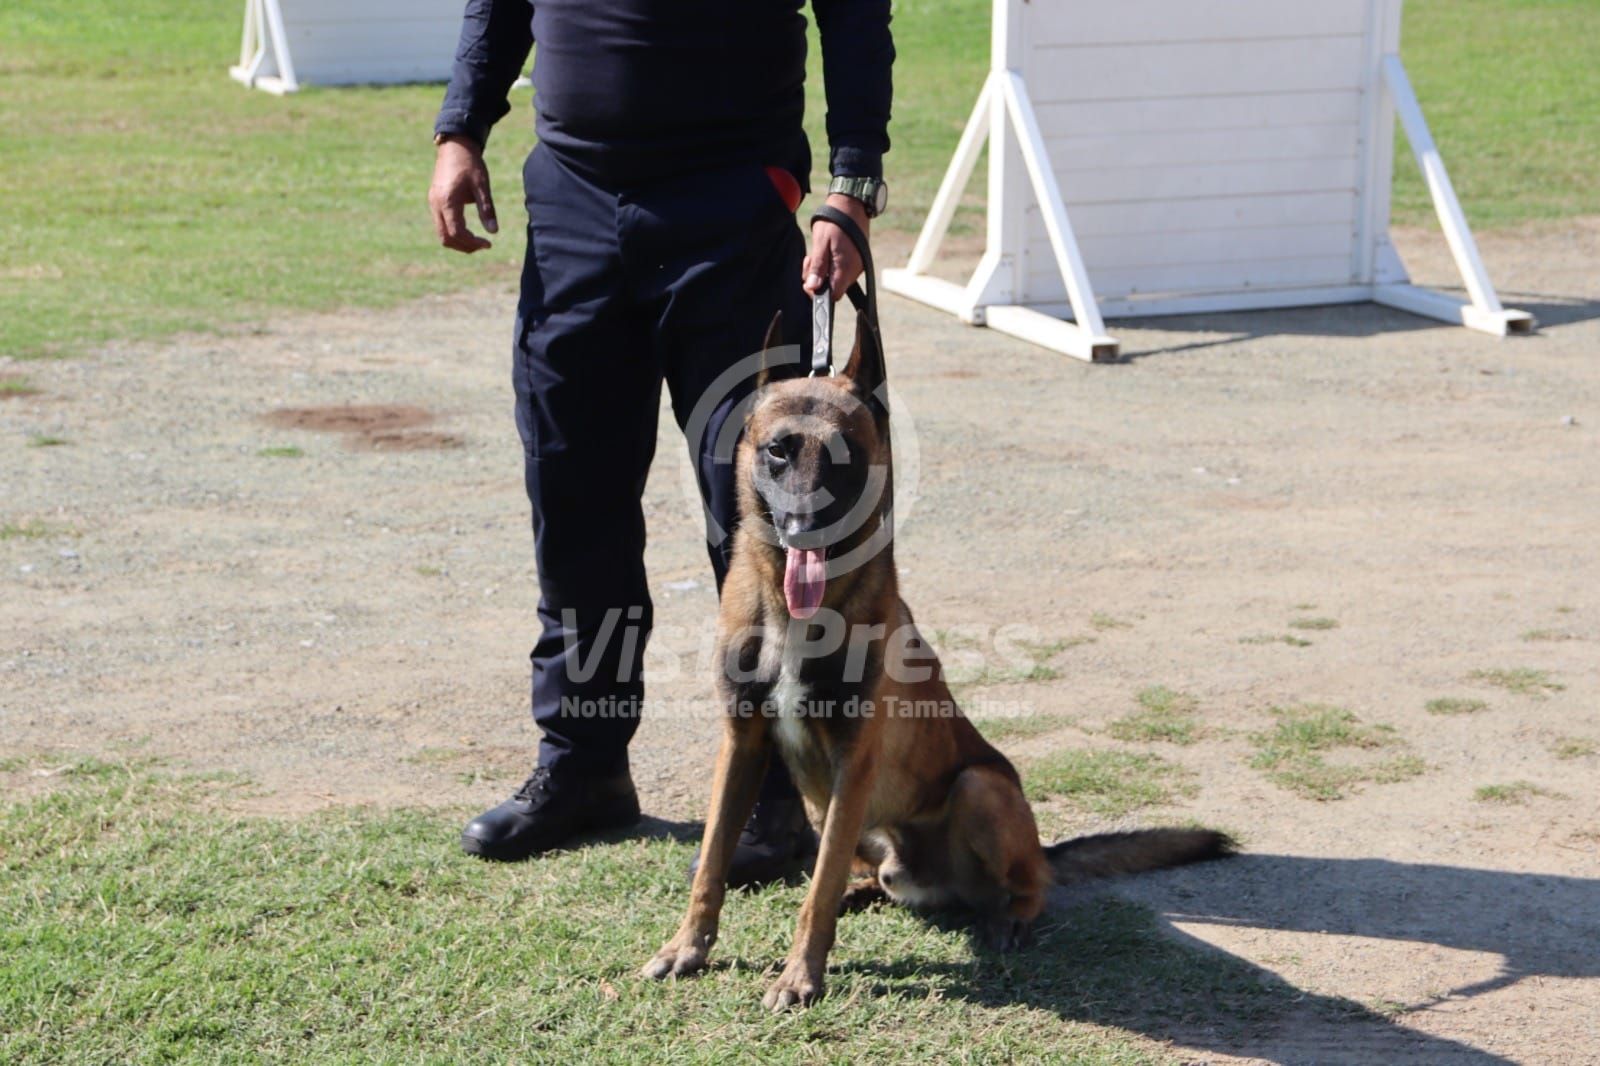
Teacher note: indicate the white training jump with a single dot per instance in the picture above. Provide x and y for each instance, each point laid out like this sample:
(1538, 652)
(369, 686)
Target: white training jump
(346, 42)
(1155, 157)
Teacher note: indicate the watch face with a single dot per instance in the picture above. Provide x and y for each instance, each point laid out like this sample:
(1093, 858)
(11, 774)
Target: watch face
(873, 194)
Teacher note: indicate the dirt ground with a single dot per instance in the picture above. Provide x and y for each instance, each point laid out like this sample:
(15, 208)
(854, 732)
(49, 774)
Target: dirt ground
(350, 624)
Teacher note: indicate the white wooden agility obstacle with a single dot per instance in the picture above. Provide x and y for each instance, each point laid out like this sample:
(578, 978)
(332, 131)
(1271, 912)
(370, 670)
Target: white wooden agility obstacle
(346, 42)
(1151, 157)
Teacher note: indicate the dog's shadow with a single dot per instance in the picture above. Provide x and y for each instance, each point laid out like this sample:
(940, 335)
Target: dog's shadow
(1115, 959)
(1112, 954)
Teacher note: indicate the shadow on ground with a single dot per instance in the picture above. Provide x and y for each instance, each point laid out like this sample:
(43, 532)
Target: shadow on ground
(1112, 962)
(652, 828)
(1540, 925)
(1109, 960)
(1340, 320)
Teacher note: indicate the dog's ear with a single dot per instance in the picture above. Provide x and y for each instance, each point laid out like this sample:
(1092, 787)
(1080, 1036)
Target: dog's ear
(769, 351)
(866, 371)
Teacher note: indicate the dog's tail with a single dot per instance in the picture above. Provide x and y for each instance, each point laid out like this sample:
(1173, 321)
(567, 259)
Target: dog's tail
(1115, 854)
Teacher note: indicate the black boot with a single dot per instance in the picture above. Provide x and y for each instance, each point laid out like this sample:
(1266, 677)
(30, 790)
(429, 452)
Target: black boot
(550, 809)
(777, 843)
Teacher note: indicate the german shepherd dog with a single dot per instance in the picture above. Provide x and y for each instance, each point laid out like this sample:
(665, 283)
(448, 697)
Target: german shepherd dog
(822, 662)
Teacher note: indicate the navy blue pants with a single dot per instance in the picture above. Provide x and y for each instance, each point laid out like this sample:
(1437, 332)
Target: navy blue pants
(622, 290)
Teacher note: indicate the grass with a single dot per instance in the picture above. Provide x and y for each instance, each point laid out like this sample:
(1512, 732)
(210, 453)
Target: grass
(1455, 705)
(1509, 88)
(282, 451)
(1293, 752)
(1035, 669)
(1574, 747)
(1315, 624)
(139, 923)
(1006, 675)
(1163, 715)
(1521, 680)
(14, 387)
(1515, 793)
(180, 200)
(1019, 727)
(435, 756)
(1105, 783)
(1548, 636)
(223, 205)
(1270, 638)
(951, 640)
(32, 529)
(45, 440)
(1104, 622)
(1044, 650)
(1318, 727)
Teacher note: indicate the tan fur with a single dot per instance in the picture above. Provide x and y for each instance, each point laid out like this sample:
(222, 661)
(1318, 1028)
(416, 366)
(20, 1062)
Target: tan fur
(923, 804)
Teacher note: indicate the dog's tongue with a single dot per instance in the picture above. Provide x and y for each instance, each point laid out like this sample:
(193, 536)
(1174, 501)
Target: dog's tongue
(804, 578)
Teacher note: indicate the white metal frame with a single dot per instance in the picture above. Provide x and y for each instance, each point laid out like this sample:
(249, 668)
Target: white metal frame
(1020, 173)
(264, 60)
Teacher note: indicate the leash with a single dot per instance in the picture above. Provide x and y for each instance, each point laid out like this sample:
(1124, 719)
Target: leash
(865, 303)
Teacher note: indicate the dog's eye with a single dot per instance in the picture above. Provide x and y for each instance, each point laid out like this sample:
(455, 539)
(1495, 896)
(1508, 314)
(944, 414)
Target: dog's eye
(776, 451)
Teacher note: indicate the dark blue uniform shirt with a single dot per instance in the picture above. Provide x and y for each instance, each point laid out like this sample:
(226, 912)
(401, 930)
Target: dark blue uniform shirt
(630, 91)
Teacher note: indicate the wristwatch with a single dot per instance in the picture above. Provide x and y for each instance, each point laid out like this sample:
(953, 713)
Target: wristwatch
(872, 192)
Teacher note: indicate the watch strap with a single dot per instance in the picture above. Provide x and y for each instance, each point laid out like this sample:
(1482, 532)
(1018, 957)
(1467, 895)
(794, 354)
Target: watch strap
(859, 188)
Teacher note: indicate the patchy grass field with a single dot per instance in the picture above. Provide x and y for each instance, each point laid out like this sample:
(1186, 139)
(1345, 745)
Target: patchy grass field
(350, 627)
(1164, 714)
(164, 197)
(1293, 752)
(1109, 784)
(1575, 748)
(1019, 728)
(139, 924)
(1514, 793)
(31, 529)
(1520, 680)
(1455, 705)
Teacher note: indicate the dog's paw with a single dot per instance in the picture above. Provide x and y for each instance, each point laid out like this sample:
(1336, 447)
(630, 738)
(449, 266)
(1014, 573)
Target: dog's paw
(1005, 933)
(798, 987)
(677, 959)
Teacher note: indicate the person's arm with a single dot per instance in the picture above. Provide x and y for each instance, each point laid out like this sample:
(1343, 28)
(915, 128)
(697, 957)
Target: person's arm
(857, 62)
(496, 37)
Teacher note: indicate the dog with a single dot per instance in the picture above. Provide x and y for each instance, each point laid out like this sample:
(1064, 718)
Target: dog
(822, 663)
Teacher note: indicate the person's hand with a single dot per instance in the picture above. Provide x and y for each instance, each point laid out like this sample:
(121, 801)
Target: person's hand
(459, 179)
(834, 261)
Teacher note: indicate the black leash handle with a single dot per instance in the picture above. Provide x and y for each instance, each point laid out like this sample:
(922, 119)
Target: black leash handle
(822, 333)
(865, 303)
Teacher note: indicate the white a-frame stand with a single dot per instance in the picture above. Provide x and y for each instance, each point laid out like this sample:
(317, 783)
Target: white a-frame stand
(290, 43)
(1214, 158)
(264, 60)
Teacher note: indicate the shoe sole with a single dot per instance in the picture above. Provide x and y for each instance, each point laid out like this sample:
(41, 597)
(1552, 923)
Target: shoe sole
(516, 851)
